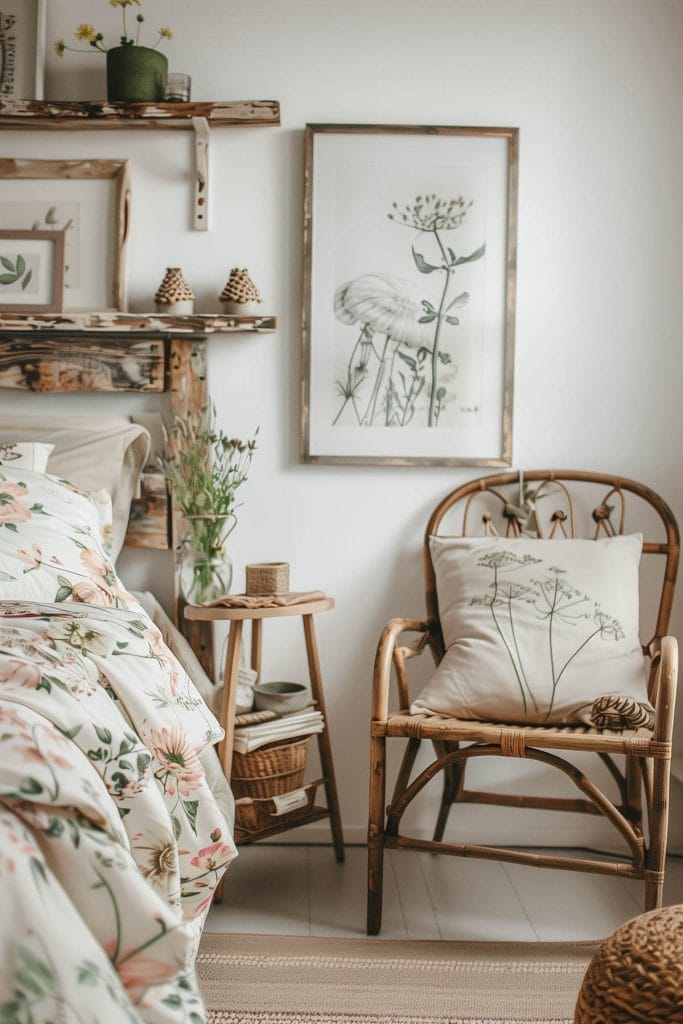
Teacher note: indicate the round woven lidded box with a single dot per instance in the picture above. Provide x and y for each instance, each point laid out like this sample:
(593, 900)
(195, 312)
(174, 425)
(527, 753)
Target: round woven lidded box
(271, 770)
(637, 974)
(264, 578)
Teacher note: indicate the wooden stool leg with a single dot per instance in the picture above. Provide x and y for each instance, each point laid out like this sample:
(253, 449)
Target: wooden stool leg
(376, 833)
(453, 776)
(227, 718)
(227, 715)
(324, 745)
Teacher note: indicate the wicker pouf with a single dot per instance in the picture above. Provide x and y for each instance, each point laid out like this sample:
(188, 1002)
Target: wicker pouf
(637, 974)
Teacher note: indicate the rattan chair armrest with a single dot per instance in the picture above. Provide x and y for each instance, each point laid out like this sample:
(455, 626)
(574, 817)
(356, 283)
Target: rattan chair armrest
(387, 649)
(665, 689)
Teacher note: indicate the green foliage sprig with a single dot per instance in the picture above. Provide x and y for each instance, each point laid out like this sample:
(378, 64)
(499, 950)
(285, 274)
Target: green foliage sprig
(205, 469)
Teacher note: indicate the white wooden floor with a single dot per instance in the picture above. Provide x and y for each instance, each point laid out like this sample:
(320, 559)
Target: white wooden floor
(301, 890)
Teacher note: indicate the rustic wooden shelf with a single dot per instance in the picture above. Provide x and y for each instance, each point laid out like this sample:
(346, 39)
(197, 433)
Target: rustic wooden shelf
(200, 323)
(102, 115)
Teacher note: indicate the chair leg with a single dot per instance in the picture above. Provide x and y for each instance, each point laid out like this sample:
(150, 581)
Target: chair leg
(453, 779)
(655, 862)
(376, 833)
(634, 790)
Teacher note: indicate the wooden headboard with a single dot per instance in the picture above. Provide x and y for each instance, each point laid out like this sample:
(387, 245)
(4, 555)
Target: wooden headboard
(52, 361)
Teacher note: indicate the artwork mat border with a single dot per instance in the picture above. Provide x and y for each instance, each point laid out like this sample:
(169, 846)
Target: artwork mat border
(508, 340)
(117, 171)
(57, 295)
(39, 51)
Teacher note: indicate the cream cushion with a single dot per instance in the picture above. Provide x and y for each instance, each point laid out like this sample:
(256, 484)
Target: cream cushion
(535, 630)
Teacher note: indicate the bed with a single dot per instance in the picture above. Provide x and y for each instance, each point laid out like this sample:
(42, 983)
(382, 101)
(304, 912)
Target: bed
(115, 820)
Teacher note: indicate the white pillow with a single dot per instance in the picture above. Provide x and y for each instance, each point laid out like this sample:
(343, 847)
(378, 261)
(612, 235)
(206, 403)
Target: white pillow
(535, 630)
(90, 452)
(28, 455)
(51, 546)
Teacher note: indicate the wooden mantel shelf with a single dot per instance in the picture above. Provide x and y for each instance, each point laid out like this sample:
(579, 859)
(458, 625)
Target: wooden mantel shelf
(201, 323)
(101, 114)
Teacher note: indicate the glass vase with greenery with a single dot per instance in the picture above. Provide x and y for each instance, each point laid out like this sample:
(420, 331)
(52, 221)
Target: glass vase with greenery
(205, 468)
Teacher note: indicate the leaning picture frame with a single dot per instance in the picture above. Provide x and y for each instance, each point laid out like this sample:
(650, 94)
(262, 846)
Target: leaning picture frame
(89, 200)
(22, 49)
(410, 239)
(31, 271)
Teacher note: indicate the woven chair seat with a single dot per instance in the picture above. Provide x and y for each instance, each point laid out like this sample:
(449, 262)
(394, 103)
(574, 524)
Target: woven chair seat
(637, 974)
(560, 737)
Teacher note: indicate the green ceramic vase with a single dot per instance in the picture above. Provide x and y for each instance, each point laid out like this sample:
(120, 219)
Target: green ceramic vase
(136, 74)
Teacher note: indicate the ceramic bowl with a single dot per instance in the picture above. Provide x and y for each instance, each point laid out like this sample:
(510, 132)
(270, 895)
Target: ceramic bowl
(280, 697)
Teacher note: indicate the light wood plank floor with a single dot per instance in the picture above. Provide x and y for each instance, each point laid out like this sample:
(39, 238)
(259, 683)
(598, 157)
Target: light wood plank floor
(301, 890)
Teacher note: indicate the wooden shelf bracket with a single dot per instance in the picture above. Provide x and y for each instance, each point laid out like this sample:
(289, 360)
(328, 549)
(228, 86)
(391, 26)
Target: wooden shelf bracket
(201, 173)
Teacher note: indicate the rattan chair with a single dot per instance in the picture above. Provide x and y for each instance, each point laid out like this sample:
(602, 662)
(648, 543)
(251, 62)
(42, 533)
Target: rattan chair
(546, 504)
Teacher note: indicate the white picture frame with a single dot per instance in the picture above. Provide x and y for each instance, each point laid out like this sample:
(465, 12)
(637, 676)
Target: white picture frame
(410, 237)
(89, 200)
(22, 49)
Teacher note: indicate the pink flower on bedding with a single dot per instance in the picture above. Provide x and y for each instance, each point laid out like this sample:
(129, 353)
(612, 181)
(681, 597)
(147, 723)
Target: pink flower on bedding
(87, 592)
(102, 577)
(213, 857)
(137, 971)
(34, 557)
(181, 769)
(19, 673)
(11, 510)
(159, 650)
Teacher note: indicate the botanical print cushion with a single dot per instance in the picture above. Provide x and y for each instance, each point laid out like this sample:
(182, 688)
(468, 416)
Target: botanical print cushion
(28, 455)
(535, 630)
(51, 546)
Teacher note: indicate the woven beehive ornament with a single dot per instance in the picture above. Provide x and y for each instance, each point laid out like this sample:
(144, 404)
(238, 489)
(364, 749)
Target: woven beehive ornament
(174, 294)
(240, 295)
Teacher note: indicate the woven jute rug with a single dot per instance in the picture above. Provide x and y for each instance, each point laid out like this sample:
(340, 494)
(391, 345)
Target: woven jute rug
(273, 979)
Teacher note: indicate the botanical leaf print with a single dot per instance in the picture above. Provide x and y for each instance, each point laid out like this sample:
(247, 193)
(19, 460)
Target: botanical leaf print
(105, 785)
(553, 599)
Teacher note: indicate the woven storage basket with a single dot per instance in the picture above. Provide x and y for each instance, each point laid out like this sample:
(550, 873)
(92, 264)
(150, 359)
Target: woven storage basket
(268, 578)
(254, 815)
(271, 770)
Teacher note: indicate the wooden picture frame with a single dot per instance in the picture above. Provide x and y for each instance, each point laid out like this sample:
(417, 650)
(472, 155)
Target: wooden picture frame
(410, 236)
(31, 271)
(89, 201)
(22, 49)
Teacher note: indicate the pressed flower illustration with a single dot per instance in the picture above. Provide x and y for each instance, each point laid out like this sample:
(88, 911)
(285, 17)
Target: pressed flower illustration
(400, 364)
(554, 600)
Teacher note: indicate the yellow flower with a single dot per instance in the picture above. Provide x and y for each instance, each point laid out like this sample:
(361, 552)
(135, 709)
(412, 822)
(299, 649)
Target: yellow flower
(166, 33)
(86, 31)
(60, 47)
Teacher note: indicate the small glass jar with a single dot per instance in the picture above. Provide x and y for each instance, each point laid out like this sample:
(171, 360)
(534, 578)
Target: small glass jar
(178, 87)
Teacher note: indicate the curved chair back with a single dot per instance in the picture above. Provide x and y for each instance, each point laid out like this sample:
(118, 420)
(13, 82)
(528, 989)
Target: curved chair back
(555, 504)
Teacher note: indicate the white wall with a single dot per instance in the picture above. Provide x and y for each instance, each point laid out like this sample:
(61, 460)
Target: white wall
(595, 88)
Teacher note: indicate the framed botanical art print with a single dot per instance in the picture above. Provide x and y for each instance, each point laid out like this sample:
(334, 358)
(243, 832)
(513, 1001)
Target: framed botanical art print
(31, 271)
(89, 201)
(409, 279)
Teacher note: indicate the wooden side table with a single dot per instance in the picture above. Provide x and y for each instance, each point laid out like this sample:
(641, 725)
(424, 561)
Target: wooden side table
(237, 617)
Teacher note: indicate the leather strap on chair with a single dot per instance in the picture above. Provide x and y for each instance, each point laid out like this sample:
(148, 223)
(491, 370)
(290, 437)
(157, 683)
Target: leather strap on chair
(513, 743)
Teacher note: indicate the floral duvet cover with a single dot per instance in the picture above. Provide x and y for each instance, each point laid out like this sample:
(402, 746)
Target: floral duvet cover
(111, 842)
